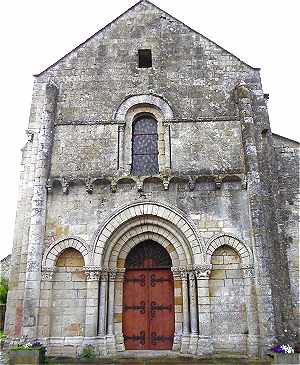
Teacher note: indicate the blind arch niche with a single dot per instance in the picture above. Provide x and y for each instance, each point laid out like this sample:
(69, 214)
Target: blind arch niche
(144, 146)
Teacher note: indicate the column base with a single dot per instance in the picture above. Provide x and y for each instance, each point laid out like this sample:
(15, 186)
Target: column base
(119, 338)
(193, 344)
(205, 345)
(176, 342)
(185, 342)
(111, 344)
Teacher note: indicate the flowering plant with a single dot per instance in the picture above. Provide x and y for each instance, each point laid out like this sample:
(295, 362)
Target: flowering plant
(287, 349)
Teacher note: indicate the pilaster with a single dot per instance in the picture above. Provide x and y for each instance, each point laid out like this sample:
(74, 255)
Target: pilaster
(38, 215)
(205, 341)
(92, 276)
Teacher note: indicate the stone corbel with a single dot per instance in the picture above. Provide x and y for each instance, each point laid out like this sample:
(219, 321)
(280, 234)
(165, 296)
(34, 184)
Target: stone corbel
(140, 185)
(166, 182)
(48, 273)
(192, 183)
(89, 185)
(92, 273)
(30, 135)
(49, 185)
(244, 182)
(113, 186)
(65, 185)
(242, 92)
(218, 182)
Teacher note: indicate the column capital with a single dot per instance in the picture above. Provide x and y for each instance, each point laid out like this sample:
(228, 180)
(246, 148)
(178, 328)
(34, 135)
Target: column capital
(248, 271)
(48, 273)
(92, 272)
(202, 271)
(180, 272)
(115, 274)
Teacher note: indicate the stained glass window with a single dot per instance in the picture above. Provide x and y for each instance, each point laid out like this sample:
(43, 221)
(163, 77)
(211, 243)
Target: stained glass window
(144, 146)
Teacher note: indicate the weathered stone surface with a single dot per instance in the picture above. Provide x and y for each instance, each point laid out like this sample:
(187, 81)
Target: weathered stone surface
(223, 205)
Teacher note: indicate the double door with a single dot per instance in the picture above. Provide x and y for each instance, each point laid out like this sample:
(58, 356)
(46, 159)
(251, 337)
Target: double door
(148, 309)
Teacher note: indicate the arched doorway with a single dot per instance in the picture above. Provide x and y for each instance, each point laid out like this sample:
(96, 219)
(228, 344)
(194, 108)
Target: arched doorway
(148, 298)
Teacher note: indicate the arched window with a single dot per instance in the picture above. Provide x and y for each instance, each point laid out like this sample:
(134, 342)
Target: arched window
(144, 146)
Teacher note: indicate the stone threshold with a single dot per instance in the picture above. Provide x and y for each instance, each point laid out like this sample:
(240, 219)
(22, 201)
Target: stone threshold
(149, 357)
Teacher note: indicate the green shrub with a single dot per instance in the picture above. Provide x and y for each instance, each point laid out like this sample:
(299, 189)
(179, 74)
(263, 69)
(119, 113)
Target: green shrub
(88, 352)
(3, 290)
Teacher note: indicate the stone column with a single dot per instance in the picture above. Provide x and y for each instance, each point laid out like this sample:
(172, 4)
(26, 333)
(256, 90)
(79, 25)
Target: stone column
(259, 225)
(178, 308)
(110, 338)
(121, 131)
(38, 215)
(252, 315)
(193, 312)
(186, 315)
(205, 342)
(44, 325)
(118, 315)
(103, 312)
(92, 292)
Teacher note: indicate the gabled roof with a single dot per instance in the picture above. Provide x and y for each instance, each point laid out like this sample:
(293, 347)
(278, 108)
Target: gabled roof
(126, 12)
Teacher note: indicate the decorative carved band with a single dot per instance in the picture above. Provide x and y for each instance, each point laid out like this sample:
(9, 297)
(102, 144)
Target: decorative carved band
(47, 273)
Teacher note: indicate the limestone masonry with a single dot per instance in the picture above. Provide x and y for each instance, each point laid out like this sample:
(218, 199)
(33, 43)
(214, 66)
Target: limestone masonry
(149, 140)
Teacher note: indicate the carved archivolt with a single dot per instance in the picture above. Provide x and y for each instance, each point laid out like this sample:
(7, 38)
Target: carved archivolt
(147, 220)
(149, 99)
(53, 251)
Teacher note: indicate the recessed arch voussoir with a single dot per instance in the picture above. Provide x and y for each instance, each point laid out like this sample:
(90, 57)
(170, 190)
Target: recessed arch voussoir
(53, 251)
(161, 217)
(227, 240)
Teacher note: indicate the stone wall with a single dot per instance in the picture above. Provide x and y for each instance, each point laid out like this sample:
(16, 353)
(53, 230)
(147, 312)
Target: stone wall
(212, 211)
(219, 170)
(287, 156)
(5, 267)
(227, 299)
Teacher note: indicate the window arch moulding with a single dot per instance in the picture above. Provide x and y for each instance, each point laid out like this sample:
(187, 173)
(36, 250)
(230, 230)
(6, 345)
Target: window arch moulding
(127, 113)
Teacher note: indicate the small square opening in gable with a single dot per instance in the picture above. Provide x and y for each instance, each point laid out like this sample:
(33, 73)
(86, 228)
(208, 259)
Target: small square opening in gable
(145, 58)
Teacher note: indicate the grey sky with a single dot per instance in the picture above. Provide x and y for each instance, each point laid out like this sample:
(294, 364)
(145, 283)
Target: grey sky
(35, 33)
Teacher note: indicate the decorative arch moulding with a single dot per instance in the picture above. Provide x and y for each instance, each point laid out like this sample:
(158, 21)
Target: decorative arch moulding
(66, 183)
(52, 253)
(124, 229)
(233, 242)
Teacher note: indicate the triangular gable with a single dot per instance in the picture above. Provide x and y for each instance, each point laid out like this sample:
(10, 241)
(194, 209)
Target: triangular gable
(125, 13)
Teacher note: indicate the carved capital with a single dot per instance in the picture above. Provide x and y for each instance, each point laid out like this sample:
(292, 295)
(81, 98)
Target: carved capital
(202, 271)
(113, 273)
(92, 273)
(48, 273)
(248, 271)
(104, 275)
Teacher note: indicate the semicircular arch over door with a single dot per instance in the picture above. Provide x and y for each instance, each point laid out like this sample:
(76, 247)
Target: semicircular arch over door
(148, 298)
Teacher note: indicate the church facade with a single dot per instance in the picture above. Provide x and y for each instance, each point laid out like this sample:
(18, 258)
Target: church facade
(156, 210)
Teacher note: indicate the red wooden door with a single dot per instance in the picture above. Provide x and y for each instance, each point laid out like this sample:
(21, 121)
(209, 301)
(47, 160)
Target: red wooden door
(148, 309)
(161, 301)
